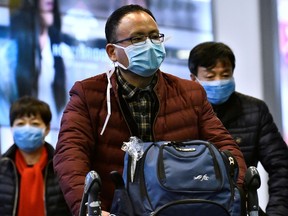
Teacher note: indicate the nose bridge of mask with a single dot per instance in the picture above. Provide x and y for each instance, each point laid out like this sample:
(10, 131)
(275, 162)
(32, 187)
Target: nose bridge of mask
(132, 46)
(215, 83)
(32, 128)
(23, 127)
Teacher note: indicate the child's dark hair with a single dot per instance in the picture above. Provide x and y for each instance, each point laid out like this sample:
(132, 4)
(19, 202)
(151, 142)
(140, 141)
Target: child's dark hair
(30, 106)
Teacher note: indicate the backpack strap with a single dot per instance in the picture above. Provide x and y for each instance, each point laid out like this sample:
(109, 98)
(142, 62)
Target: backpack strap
(232, 164)
(233, 170)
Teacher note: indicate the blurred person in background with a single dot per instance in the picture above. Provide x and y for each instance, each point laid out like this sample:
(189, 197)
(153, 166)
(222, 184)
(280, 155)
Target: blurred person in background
(28, 185)
(40, 71)
(247, 119)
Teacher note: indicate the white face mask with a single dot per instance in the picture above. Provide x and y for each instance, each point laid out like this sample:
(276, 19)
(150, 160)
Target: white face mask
(144, 60)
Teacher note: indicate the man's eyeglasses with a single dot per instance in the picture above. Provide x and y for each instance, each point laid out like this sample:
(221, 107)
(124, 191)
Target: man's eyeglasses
(141, 39)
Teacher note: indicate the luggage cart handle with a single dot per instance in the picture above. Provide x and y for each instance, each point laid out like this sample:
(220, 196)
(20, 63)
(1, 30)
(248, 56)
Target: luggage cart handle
(90, 196)
(251, 183)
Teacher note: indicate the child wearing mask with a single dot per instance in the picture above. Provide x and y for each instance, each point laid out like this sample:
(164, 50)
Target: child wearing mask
(28, 185)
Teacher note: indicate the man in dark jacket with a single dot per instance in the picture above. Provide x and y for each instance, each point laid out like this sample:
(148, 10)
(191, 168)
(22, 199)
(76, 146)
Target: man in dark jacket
(133, 99)
(28, 184)
(247, 119)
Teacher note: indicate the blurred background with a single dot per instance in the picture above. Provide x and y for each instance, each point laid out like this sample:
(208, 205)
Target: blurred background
(257, 32)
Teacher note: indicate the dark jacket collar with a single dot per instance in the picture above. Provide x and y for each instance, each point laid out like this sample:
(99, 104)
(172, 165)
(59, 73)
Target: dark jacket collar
(229, 110)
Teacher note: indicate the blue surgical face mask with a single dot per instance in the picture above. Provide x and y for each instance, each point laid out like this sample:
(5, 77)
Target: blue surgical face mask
(144, 60)
(28, 138)
(218, 91)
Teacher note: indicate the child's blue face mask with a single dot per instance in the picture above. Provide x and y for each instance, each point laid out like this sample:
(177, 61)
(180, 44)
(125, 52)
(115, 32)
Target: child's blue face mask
(218, 91)
(28, 138)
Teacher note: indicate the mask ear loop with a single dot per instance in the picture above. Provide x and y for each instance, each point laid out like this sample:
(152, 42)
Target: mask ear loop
(167, 38)
(118, 63)
(109, 86)
(196, 79)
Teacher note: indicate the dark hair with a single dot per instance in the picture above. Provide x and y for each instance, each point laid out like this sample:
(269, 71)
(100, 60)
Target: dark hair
(30, 106)
(114, 19)
(207, 54)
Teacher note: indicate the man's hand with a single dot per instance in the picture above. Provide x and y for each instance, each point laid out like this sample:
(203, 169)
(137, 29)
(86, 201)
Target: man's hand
(104, 213)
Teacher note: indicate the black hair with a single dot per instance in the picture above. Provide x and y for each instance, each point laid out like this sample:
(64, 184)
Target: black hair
(30, 106)
(207, 54)
(114, 19)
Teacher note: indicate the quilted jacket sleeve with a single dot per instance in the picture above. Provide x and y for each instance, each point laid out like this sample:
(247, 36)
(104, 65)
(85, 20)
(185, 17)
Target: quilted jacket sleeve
(74, 146)
(213, 130)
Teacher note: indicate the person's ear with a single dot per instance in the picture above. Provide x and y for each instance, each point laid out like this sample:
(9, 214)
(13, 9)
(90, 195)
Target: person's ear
(47, 130)
(110, 50)
(193, 77)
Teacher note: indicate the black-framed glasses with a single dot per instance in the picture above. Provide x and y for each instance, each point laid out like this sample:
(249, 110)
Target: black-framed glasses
(141, 39)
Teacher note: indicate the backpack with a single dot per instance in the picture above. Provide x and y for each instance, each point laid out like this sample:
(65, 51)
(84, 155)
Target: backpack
(178, 178)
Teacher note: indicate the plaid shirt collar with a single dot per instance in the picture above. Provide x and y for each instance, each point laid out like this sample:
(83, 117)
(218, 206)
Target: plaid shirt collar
(129, 90)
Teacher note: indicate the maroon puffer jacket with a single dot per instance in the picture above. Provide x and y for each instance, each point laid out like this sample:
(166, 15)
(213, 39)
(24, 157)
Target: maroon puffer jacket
(183, 113)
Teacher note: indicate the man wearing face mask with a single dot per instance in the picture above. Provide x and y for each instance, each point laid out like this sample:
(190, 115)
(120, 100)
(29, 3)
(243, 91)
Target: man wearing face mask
(247, 119)
(133, 99)
(28, 185)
